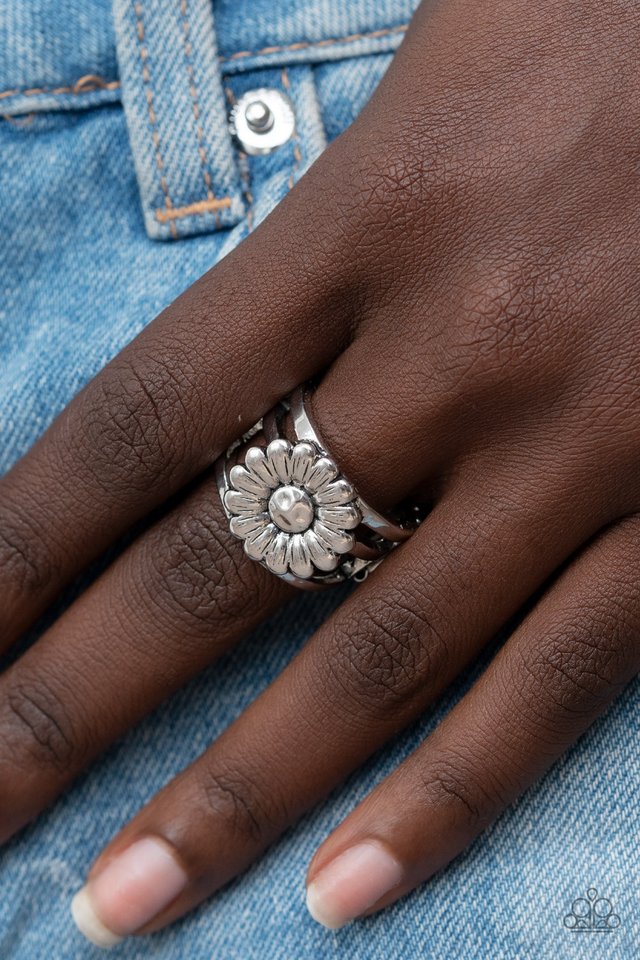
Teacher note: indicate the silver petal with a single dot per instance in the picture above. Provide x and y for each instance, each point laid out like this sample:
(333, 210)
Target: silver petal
(258, 465)
(245, 504)
(276, 556)
(340, 518)
(278, 456)
(337, 492)
(302, 458)
(256, 546)
(241, 479)
(298, 557)
(334, 539)
(323, 558)
(244, 527)
(246, 511)
(323, 472)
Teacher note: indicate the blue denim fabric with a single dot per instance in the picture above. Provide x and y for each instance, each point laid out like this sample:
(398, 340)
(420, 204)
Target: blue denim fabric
(81, 272)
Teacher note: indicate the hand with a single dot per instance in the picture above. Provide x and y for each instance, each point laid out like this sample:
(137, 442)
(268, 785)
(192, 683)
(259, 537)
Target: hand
(464, 264)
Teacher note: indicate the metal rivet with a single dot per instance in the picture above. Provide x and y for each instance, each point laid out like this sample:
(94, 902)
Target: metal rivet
(262, 120)
(258, 116)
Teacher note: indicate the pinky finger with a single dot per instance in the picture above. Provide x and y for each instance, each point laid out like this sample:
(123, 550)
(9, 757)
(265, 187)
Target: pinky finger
(554, 676)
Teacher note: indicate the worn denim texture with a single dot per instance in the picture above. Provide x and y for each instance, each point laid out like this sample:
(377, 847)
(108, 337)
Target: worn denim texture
(84, 265)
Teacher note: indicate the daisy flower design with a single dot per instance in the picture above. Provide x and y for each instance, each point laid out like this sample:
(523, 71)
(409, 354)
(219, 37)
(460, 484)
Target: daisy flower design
(292, 508)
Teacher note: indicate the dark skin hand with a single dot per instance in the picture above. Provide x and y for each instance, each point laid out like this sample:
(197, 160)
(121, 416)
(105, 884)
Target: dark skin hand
(464, 265)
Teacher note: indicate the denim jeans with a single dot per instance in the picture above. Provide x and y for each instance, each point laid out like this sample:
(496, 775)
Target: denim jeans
(119, 186)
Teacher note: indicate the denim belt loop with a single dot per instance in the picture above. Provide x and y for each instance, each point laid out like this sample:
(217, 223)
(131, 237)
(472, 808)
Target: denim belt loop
(176, 114)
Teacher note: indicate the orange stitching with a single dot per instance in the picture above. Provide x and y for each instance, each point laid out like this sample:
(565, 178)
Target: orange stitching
(88, 84)
(297, 156)
(155, 137)
(301, 45)
(91, 82)
(24, 121)
(195, 103)
(305, 45)
(191, 210)
(244, 169)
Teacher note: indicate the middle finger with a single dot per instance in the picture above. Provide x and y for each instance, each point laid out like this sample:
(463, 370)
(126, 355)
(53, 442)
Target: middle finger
(183, 593)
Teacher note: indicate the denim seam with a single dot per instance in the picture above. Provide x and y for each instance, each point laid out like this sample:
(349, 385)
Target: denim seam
(193, 90)
(300, 45)
(311, 44)
(191, 210)
(297, 156)
(87, 84)
(155, 136)
(24, 121)
(82, 87)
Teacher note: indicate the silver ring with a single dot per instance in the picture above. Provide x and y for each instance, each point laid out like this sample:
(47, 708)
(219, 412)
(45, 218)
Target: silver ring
(293, 508)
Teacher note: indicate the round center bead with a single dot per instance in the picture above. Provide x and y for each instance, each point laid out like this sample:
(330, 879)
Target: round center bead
(291, 509)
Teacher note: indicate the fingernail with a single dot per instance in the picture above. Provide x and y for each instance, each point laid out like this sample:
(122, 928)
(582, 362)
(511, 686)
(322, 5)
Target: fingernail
(88, 923)
(353, 882)
(129, 892)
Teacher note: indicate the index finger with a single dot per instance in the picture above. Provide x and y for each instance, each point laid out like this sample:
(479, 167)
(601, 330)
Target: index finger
(206, 369)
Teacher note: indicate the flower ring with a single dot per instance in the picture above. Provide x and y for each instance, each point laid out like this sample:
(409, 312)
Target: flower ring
(296, 513)
(291, 508)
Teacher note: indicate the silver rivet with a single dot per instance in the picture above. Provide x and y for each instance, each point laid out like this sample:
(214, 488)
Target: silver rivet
(258, 116)
(262, 120)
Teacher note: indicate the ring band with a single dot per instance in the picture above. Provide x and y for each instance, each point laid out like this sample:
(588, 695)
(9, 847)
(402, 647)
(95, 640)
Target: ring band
(294, 509)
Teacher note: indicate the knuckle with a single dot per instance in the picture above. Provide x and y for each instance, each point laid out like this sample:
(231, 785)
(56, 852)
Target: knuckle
(246, 812)
(27, 573)
(38, 724)
(439, 170)
(583, 668)
(402, 192)
(396, 180)
(25, 568)
(203, 573)
(414, 197)
(135, 424)
(505, 334)
(385, 654)
(386, 193)
(499, 316)
(448, 781)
